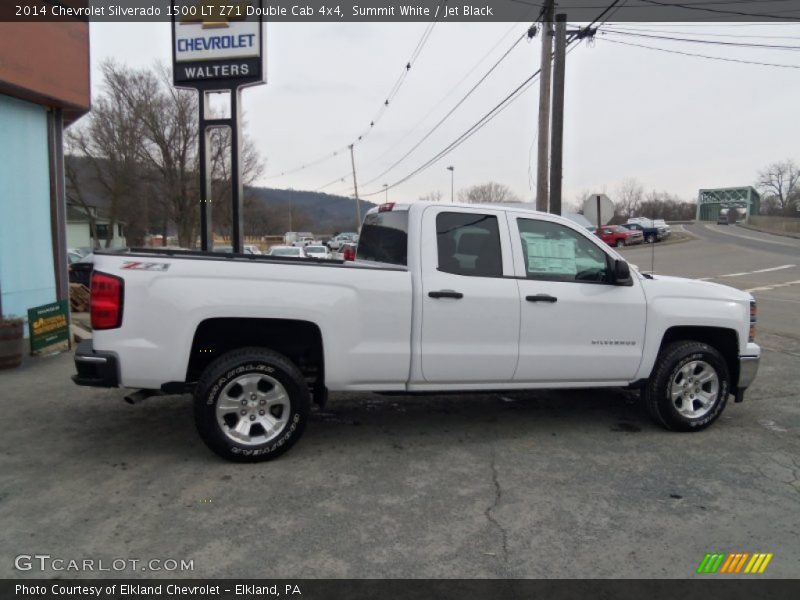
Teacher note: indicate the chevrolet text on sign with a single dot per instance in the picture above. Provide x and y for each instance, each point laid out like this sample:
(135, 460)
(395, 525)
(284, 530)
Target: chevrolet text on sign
(212, 44)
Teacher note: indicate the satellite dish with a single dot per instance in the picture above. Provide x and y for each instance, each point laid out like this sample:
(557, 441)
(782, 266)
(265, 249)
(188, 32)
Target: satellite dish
(599, 209)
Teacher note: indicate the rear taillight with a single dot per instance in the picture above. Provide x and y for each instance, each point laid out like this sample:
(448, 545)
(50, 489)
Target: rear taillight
(106, 300)
(349, 253)
(386, 207)
(753, 319)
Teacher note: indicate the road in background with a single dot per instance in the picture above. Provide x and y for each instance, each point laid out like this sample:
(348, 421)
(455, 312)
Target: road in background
(766, 265)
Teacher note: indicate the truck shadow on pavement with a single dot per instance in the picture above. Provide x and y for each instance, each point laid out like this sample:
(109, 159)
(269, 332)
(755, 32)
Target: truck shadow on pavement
(164, 426)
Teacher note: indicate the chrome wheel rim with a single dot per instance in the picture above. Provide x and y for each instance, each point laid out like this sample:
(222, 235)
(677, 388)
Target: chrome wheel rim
(253, 409)
(694, 389)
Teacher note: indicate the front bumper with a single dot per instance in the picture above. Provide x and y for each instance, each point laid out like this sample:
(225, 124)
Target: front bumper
(96, 369)
(748, 368)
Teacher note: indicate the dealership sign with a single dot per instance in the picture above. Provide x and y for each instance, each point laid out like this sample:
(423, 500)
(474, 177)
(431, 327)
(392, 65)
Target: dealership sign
(48, 325)
(217, 43)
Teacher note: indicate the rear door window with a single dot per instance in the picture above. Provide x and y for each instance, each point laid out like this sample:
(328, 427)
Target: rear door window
(469, 244)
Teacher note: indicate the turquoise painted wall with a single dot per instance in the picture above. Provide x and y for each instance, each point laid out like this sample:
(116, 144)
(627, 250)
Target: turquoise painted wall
(27, 278)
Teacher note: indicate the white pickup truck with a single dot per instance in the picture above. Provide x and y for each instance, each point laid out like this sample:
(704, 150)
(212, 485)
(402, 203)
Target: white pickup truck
(442, 297)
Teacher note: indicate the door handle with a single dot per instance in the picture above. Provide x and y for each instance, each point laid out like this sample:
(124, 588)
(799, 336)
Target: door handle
(446, 294)
(541, 298)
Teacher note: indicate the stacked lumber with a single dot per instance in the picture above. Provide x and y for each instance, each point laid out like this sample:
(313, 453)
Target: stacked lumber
(78, 297)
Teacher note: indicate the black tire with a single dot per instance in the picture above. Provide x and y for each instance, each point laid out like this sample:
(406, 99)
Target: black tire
(620, 243)
(656, 393)
(238, 363)
(650, 239)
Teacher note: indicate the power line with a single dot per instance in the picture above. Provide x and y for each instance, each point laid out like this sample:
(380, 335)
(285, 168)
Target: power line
(707, 23)
(708, 33)
(499, 107)
(711, 42)
(477, 126)
(450, 91)
(719, 10)
(394, 90)
(450, 112)
(734, 60)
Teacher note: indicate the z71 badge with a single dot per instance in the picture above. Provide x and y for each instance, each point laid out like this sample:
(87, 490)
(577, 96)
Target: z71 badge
(145, 266)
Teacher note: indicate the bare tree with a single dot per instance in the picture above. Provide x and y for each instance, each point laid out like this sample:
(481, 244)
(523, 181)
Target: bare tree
(142, 140)
(488, 193)
(629, 198)
(780, 184)
(110, 138)
(252, 167)
(435, 196)
(75, 195)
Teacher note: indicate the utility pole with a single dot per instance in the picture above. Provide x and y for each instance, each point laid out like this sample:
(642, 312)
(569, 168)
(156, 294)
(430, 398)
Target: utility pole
(542, 185)
(291, 208)
(557, 145)
(452, 170)
(386, 192)
(355, 189)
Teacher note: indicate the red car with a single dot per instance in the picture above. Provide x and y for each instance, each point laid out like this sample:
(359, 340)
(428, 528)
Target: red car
(348, 251)
(614, 235)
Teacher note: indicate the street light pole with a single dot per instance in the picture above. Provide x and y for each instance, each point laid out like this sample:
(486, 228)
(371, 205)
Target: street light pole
(386, 191)
(452, 170)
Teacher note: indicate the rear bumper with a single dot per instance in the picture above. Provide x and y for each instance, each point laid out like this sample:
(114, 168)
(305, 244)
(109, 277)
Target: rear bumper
(96, 369)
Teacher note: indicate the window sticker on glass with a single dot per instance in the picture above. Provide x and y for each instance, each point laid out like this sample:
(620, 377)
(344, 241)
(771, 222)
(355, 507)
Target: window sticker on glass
(551, 256)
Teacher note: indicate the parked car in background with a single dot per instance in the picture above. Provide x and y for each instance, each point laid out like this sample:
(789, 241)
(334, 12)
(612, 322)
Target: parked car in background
(81, 271)
(73, 257)
(295, 251)
(223, 249)
(348, 251)
(250, 249)
(317, 251)
(304, 241)
(290, 237)
(648, 229)
(616, 235)
(340, 239)
(662, 224)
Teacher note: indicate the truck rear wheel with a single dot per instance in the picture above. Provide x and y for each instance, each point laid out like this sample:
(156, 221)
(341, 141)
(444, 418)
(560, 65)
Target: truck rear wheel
(251, 405)
(689, 386)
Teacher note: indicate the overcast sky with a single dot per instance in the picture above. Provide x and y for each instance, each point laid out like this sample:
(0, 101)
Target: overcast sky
(675, 123)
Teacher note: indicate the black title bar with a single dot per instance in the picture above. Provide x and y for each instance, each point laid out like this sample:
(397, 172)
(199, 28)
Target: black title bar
(708, 588)
(340, 11)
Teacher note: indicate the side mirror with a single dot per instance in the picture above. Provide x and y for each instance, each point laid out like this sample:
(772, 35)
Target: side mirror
(622, 273)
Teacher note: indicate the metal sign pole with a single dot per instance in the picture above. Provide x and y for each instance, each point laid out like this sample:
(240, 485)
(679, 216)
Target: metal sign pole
(236, 61)
(206, 233)
(237, 192)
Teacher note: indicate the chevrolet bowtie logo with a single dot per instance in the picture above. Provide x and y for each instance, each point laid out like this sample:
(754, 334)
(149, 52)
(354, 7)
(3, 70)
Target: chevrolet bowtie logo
(214, 14)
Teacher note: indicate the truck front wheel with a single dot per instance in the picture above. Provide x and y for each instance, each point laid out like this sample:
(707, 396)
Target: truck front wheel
(251, 405)
(688, 388)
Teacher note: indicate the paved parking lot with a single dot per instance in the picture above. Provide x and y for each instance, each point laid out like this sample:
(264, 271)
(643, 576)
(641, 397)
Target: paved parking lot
(566, 484)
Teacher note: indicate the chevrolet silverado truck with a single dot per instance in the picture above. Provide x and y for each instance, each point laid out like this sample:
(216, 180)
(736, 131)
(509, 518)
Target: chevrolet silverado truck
(441, 298)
